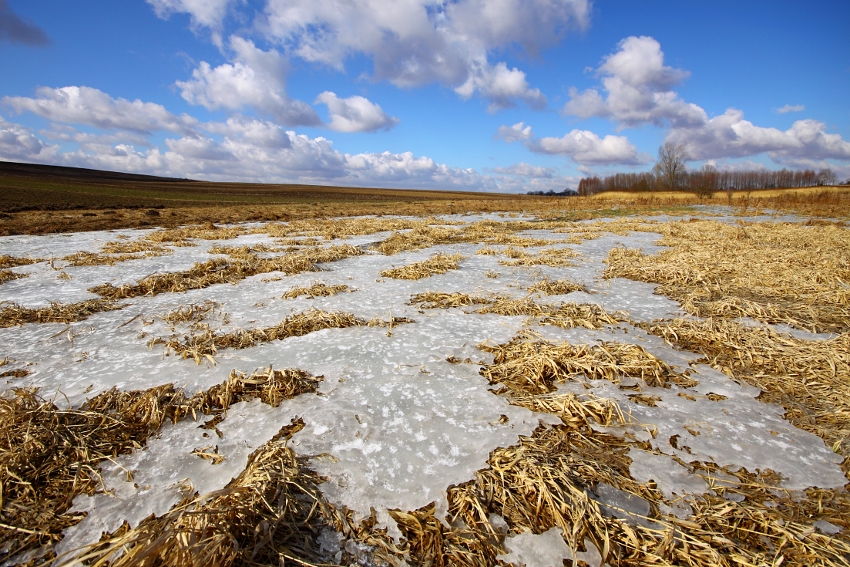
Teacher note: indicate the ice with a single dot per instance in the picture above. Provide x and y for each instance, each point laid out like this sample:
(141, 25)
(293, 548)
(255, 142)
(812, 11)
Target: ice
(152, 480)
(393, 424)
(621, 504)
(738, 431)
(672, 479)
(825, 527)
(546, 550)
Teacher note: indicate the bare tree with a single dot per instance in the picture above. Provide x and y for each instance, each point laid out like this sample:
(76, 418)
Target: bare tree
(670, 165)
(705, 182)
(827, 177)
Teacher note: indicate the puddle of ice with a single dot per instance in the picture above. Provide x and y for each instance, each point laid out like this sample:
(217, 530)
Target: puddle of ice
(546, 550)
(400, 422)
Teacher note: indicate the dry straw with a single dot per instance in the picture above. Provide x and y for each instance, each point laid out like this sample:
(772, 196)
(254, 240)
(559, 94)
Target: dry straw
(49, 455)
(534, 366)
(566, 315)
(317, 289)
(9, 275)
(205, 344)
(114, 252)
(553, 257)
(556, 287)
(773, 272)
(207, 231)
(7, 261)
(223, 270)
(436, 264)
(12, 315)
(811, 379)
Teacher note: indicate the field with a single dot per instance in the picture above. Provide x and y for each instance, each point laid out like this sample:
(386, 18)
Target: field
(424, 379)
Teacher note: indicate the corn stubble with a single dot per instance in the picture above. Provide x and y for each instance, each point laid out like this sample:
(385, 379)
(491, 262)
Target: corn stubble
(436, 264)
(207, 343)
(772, 272)
(227, 270)
(49, 455)
(273, 512)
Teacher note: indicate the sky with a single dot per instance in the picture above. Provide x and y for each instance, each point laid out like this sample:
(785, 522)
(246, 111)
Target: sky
(478, 95)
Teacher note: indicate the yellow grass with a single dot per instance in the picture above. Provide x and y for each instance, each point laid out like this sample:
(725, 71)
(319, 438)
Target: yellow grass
(773, 272)
(436, 264)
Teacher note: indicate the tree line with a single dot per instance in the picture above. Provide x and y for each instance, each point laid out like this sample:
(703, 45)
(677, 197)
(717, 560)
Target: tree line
(671, 174)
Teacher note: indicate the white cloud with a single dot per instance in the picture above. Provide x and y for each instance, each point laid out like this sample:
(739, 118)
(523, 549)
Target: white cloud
(519, 132)
(261, 133)
(637, 88)
(729, 135)
(85, 105)
(19, 143)
(791, 108)
(417, 42)
(500, 86)
(586, 147)
(204, 13)
(255, 79)
(525, 170)
(355, 114)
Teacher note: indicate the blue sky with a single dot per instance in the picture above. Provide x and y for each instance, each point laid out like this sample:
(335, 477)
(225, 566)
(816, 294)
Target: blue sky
(499, 95)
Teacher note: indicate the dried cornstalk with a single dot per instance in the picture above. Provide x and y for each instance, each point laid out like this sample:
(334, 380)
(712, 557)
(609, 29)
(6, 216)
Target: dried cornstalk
(720, 270)
(12, 315)
(436, 264)
(206, 344)
(526, 364)
(224, 270)
(318, 289)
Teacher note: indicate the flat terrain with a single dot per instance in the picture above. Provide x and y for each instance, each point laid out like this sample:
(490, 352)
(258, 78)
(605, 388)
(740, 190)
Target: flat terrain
(466, 389)
(39, 199)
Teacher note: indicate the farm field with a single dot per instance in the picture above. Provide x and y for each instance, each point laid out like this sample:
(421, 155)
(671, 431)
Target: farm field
(653, 387)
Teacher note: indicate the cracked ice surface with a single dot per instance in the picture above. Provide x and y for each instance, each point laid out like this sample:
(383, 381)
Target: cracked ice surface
(399, 422)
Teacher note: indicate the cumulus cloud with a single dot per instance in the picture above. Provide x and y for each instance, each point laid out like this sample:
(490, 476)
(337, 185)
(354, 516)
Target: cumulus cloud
(586, 147)
(525, 170)
(255, 79)
(791, 108)
(85, 105)
(19, 143)
(355, 114)
(14, 30)
(730, 135)
(500, 86)
(248, 149)
(417, 42)
(637, 89)
(208, 14)
(519, 132)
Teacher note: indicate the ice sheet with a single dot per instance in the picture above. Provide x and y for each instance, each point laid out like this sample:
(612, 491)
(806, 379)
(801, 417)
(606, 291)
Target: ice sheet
(399, 422)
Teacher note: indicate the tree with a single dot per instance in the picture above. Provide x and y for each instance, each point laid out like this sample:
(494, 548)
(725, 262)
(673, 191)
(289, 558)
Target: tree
(705, 181)
(670, 165)
(827, 177)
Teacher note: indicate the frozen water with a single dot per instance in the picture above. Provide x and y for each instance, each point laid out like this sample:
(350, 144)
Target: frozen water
(154, 479)
(738, 431)
(394, 424)
(546, 550)
(672, 479)
(621, 504)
